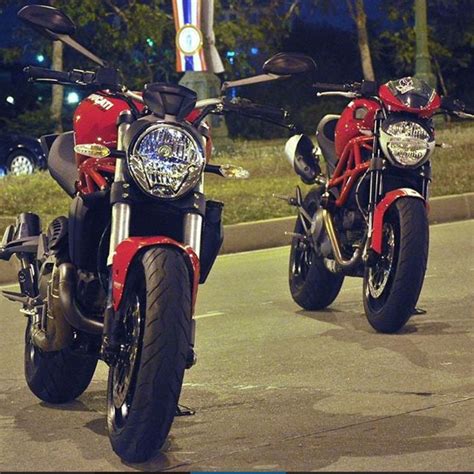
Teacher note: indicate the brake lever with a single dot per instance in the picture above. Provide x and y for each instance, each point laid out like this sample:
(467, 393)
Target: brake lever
(349, 95)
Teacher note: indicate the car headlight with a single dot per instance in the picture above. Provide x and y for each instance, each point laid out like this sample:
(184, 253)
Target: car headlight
(406, 143)
(166, 161)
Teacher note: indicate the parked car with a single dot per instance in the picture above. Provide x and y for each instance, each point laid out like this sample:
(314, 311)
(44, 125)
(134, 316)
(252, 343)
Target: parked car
(20, 154)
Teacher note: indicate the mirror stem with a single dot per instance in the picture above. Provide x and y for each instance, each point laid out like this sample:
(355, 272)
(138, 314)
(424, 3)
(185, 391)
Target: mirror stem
(81, 49)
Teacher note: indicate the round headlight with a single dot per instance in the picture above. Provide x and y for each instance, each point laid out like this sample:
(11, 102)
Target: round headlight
(166, 161)
(406, 143)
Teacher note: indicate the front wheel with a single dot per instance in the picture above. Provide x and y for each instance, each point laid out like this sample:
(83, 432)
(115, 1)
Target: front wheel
(145, 384)
(392, 286)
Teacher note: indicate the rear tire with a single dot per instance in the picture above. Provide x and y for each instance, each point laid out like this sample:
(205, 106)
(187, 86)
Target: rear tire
(392, 287)
(312, 285)
(143, 390)
(59, 376)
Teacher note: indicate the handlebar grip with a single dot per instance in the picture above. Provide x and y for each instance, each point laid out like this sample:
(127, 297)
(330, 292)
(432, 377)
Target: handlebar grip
(44, 74)
(324, 86)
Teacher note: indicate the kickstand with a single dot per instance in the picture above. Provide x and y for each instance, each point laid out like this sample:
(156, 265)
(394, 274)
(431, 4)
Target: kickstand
(418, 311)
(181, 410)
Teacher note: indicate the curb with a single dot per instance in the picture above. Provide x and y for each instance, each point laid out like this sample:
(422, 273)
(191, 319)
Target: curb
(271, 233)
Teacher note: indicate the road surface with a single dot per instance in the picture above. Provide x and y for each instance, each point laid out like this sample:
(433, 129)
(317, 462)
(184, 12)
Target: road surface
(277, 388)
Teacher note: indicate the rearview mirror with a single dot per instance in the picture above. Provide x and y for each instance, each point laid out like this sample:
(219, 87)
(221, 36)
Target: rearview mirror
(284, 64)
(50, 21)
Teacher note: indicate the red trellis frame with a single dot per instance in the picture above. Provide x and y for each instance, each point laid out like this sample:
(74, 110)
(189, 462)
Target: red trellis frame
(350, 166)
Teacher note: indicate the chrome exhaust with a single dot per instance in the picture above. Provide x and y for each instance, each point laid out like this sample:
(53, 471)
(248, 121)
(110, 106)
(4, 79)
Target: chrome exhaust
(331, 232)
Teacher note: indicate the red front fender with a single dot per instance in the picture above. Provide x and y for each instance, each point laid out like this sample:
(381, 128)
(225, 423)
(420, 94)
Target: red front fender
(382, 208)
(126, 251)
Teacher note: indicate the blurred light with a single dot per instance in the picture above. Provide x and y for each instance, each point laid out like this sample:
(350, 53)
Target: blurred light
(150, 42)
(231, 60)
(72, 98)
(10, 99)
(40, 58)
(254, 51)
(3, 172)
(230, 54)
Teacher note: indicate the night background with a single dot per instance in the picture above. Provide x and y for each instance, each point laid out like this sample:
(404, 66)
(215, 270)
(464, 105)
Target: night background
(138, 37)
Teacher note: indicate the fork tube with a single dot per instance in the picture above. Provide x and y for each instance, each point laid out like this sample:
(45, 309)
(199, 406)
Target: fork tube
(120, 224)
(192, 226)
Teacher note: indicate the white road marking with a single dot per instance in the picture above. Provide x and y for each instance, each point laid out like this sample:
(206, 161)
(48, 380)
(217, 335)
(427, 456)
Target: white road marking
(210, 314)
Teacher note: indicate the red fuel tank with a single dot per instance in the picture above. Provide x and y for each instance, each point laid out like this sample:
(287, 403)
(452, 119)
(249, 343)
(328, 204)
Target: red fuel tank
(95, 121)
(358, 115)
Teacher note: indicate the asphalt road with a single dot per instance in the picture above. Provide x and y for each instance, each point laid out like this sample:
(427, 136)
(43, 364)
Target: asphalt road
(277, 388)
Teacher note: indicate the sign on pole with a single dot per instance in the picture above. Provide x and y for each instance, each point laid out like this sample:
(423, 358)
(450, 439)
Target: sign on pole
(195, 44)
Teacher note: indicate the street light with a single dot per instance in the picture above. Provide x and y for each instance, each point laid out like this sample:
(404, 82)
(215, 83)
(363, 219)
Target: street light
(40, 58)
(72, 98)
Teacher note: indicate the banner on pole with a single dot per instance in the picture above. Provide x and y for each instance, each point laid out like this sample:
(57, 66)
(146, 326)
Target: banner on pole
(189, 38)
(195, 44)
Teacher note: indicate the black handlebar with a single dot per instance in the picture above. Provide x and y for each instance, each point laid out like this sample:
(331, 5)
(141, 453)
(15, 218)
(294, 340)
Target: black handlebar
(44, 74)
(324, 86)
(103, 78)
(264, 112)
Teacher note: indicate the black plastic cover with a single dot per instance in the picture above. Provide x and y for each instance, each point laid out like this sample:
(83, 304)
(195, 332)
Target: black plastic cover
(169, 99)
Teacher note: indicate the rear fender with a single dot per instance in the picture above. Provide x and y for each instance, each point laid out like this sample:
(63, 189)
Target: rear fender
(128, 249)
(382, 208)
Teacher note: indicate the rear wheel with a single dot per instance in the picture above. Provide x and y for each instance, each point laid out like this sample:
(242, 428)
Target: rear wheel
(392, 286)
(312, 285)
(144, 386)
(56, 376)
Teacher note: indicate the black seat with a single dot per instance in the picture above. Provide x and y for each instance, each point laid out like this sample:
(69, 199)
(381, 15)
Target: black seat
(325, 136)
(62, 162)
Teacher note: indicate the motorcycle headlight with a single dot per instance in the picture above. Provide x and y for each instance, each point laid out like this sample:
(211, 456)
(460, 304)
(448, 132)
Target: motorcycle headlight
(166, 161)
(406, 143)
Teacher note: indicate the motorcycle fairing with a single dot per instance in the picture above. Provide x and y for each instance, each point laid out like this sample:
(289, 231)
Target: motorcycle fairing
(128, 249)
(382, 208)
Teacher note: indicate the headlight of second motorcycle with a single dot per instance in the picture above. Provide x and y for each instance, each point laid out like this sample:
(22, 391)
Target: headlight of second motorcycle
(406, 143)
(166, 161)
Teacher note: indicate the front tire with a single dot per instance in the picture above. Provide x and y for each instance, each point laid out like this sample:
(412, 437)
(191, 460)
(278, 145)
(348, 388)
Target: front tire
(392, 286)
(144, 386)
(312, 285)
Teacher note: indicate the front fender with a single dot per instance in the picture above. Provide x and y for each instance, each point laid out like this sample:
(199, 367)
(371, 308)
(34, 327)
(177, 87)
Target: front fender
(128, 249)
(382, 208)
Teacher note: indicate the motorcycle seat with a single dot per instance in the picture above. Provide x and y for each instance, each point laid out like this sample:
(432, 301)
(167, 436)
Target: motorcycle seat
(325, 136)
(62, 162)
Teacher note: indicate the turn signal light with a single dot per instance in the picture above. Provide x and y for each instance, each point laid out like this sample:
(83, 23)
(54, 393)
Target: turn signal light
(94, 150)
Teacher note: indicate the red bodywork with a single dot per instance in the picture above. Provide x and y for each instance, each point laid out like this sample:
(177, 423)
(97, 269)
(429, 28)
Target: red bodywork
(126, 252)
(95, 121)
(353, 135)
(394, 105)
(382, 208)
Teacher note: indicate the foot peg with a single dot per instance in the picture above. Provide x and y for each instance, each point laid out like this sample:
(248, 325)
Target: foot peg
(288, 199)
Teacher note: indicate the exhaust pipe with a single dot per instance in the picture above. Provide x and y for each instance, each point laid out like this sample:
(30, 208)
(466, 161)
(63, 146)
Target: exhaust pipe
(331, 232)
(72, 313)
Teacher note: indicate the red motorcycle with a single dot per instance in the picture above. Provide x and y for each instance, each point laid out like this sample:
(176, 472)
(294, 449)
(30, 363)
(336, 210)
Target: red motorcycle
(367, 215)
(117, 279)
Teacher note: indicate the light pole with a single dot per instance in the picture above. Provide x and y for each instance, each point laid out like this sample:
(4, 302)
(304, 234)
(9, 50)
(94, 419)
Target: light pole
(423, 61)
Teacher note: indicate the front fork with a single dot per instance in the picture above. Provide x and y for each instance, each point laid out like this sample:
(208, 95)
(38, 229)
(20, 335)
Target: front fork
(375, 186)
(120, 230)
